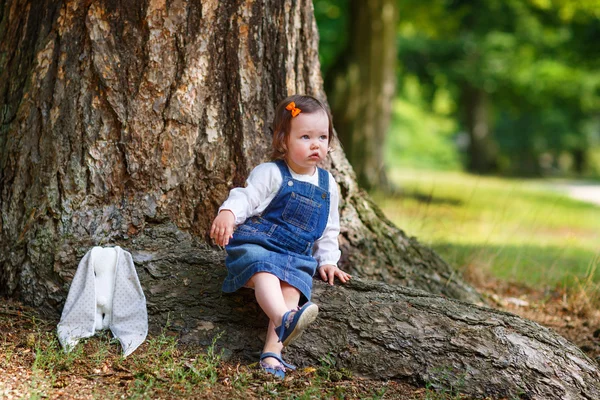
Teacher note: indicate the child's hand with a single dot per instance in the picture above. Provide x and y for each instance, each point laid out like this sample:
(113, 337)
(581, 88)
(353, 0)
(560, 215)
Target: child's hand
(329, 272)
(222, 227)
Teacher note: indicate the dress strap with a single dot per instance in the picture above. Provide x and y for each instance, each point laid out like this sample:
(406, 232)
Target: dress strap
(285, 172)
(323, 179)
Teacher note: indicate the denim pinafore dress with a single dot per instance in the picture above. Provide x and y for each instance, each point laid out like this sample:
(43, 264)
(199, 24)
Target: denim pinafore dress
(280, 240)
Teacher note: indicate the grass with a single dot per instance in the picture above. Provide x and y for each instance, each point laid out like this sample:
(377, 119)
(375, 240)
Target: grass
(515, 230)
(34, 366)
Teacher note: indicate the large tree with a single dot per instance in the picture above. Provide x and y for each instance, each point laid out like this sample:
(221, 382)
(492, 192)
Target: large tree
(128, 124)
(362, 85)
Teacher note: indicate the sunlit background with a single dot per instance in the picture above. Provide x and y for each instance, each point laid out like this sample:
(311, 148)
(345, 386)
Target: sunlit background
(493, 128)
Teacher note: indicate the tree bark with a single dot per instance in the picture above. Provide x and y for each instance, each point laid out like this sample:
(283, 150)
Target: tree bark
(394, 332)
(363, 87)
(128, 125)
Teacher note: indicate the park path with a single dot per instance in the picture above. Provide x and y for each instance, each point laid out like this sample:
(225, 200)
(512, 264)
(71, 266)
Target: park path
(580, 190)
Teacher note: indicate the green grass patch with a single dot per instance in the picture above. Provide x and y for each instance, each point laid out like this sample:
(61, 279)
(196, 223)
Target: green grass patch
(517, 230)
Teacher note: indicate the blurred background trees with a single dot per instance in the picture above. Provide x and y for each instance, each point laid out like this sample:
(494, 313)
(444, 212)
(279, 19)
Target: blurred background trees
(508, 87)
(361, 85)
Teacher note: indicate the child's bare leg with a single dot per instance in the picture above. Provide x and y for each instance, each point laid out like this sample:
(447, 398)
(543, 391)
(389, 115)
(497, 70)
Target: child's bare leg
(269, 295)
(272, 343)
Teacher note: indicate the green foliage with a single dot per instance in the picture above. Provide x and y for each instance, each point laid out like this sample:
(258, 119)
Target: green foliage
(419, 137)
(332, 20)
(543, 116)
(534, 64)
(537, 61)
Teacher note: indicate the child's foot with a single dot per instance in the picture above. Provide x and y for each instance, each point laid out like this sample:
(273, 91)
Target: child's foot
(295, 322)
(276, 368)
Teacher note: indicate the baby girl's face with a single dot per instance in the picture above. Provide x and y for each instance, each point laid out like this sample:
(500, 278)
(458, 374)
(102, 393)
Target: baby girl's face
(308, 142)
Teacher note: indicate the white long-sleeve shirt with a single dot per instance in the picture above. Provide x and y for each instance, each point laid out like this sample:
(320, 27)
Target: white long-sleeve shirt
(262, 185)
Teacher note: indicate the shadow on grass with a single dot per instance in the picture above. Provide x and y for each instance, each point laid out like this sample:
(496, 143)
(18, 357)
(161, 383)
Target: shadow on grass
(420, 196)
(536, 266)
(428, 198)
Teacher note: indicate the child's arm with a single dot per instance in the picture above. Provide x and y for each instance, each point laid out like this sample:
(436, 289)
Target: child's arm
(329, 272)
(222, 227)
(261, 187)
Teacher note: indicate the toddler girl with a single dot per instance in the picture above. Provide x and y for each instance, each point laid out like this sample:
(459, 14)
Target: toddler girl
(287, 226)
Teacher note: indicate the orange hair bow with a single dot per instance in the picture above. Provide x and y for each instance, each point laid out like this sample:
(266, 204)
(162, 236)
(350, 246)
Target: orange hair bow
(292, 108)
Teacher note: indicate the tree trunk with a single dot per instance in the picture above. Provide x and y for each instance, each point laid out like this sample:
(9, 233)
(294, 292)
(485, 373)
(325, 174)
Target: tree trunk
(119, 117)
(364, 87)
(128, 124)
(579, 160)
(482, 150)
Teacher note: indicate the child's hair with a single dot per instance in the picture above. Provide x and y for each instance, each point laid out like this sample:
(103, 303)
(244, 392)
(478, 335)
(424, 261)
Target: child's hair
(282, 122)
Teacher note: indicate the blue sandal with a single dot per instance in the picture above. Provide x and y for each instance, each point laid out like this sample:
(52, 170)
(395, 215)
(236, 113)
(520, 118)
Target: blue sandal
(277, 370)
(294, 322)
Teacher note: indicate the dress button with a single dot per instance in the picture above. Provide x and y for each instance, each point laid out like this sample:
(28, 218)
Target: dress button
(290, 183)
(324, 195)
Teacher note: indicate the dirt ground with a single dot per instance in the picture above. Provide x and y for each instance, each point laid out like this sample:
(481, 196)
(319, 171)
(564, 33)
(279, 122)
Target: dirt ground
(20, 328)
(573, 316)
